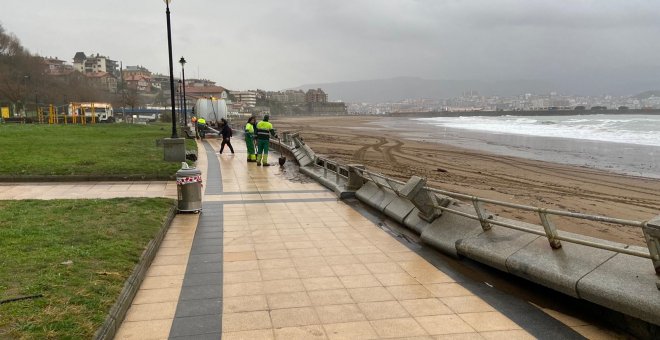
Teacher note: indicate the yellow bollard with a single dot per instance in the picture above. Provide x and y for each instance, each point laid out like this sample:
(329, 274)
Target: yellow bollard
(93, 114)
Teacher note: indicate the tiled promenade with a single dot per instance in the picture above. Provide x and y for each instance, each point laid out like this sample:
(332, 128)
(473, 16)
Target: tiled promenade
(273, 258)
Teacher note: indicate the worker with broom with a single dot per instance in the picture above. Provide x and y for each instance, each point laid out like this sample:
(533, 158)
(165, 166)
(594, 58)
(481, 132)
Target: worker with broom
(249, 139)
(264, 131)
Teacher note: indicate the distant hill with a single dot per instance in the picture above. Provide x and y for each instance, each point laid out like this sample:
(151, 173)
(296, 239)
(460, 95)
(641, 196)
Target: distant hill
(648, 94)
(395, 89)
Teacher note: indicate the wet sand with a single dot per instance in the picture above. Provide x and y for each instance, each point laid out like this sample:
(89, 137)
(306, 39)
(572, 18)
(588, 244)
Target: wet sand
(496, 167)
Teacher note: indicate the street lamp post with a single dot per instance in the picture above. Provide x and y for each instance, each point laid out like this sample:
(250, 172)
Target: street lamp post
(169, 46)
(183, 76)
(180, 90)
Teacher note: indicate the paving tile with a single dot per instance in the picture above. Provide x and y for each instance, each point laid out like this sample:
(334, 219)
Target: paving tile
(233, 322)
(239, 256)
(322, 283)
(309, 261)
(244, 276)
(409, 292)
(315, 271)
(238, 266)
(169, 260)
(156, 295)
(444, 324)
(349, 269)
(195, 325)
(239, 289)
(279, 273)
(261, 247)
(359, 281)
(447, 290)
(304, 252)
(330, 297)
(151, 329)
(341, 259)
(247, 303)
(373, 258)
(339, 313)
(154, 282)
(289, 317)
(272, 254)
(425, 307)
(200, 292)
(522, 335)
(489, 321)
(203, 279)
(275, 263)
(402, 327)
(462, 336)
(403, 256)
(395, 279)
(384, 267)
(288, 300)
(167, 270)
(204, 267)
(350, 330)
(151, 311)
(383, 310)
(283, 286)
(300, 333)
(467, 304)
(261, 334)
(199, 307)
(366, 250)
(370, 294)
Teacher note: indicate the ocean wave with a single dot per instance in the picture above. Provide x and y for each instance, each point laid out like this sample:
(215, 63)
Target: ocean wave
(643, 130)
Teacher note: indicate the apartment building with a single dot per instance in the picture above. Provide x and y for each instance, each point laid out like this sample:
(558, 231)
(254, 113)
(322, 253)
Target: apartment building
(94, 63)
(316, 96)
(249, 98)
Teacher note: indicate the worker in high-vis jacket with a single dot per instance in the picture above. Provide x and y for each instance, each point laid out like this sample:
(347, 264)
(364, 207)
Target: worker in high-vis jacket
(201, 127)
(249, 139)
(264, 131)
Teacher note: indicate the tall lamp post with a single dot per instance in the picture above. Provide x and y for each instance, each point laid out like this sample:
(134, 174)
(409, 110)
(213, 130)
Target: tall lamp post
(180, 91)
(183, 76)
(169, 46)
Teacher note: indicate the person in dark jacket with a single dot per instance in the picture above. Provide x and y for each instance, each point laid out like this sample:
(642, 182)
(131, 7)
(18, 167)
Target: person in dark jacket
(226, 136)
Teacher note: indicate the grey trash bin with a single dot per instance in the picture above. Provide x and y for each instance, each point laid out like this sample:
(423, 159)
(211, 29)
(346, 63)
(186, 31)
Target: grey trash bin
(189, 188)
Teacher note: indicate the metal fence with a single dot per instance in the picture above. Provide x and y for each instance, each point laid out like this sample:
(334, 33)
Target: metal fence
(333, 168)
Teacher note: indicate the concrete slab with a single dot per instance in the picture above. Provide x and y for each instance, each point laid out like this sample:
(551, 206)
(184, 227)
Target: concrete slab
(448, 229)
(559, 269)
(366, 191)
(414, 222)
(399, 209)
(493, 247)
(624, 283)
(381, 199)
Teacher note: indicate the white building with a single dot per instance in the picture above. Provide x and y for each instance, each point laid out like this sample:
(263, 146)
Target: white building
(249, 98)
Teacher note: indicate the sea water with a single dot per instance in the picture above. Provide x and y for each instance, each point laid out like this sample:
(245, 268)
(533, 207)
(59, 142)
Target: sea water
(630, 129)
(625, 143)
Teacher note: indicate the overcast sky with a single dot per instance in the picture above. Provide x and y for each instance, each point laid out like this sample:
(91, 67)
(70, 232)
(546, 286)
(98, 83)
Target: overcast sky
(277, 44)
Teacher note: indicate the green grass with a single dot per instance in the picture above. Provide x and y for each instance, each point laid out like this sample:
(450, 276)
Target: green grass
(102, 238)
(99, 150)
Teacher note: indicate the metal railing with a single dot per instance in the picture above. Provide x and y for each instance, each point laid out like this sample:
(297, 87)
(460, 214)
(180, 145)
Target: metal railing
(550, 230)
(339, 170)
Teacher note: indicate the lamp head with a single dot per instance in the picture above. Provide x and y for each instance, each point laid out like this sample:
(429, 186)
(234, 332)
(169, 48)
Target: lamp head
(182, 61)
(167, 2)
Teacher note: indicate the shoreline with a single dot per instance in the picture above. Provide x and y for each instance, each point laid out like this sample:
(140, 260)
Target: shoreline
(627, 159)
(393, 147)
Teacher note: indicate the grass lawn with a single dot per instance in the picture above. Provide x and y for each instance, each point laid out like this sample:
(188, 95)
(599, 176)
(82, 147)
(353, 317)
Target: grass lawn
(99, 150)
(77, 254)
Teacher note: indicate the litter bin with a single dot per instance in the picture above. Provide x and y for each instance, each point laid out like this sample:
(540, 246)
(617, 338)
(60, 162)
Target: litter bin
(189, 188)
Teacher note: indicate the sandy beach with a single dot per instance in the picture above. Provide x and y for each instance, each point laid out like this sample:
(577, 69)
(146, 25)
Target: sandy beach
(476, 164)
